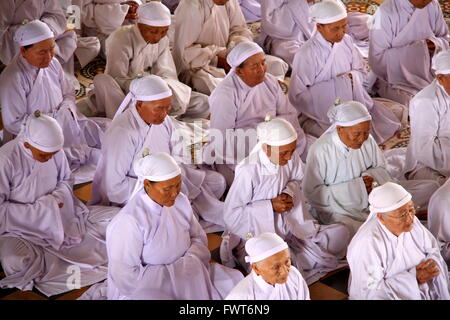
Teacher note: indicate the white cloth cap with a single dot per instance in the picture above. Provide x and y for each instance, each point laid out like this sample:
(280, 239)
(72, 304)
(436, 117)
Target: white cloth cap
(327, 11)
(154, 13)
(276, 132)
(242, 52)
(388, 197)
(263, 246)
(158, 166)
(32, 32)
(347, 114)
(441, 62)
(42, 132)
(148, 88)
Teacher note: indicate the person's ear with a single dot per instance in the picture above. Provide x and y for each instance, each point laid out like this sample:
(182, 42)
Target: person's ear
(381, 218)
(256, 269)
(22, 51)
(26, 145)
(138, 104)
(147, 185)
(440, 77)
(239, 71)
(267, 149)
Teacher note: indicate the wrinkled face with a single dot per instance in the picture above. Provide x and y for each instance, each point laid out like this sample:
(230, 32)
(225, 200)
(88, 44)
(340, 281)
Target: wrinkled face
(39, 155)
(333, 32)
(280, 155)
(444, 80)
(164, 193)
(152, 34)
(154, 112)
(253, 70)
(354, 136)
(220, 2)
(274, 269)
(420, 4)
(400, 220)
(40, 54)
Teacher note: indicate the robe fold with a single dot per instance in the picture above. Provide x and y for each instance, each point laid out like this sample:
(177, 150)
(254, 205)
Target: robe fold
(438, 221)
(251, 9)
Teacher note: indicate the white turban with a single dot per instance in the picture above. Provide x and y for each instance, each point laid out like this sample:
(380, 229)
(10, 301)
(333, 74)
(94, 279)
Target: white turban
(42, 132)
(263, 246)
(158, 166)
(32, 32)
(388, 197)
(242, 52)
(147, 88)
(154, 13)
(347, 114)
(441, 62)
(327, 11)
(276, 132)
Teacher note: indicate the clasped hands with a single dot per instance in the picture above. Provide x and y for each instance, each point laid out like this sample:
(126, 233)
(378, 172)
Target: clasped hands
(282, 203)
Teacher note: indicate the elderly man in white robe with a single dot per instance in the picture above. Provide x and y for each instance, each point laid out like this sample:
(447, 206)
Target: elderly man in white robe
(393, 256)
(428, 153)
(142, 125)
(328, 67)
(46, 234)
(142, 49)
(343, 166)
(266, 197)
(205, 32)
(404, 36)
(242, 100)
(35, 80)
(272, 276)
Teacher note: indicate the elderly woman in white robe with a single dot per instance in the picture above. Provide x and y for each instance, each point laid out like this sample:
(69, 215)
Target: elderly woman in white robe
(403, 33)
(242, 100)
(44, 229)
(328, 67)
(142, 124)
(156, 247)
(393, 256)
(35, 80)
(142, 49)
(266, 197)
(428, 153)
(272, 276)
(343, 166)
(205, 32)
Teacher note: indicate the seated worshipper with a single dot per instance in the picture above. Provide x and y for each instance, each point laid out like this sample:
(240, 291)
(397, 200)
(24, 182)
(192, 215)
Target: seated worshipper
(328, 67)
(145, 126)
(45, 231)
(393, 256)
(266, 197)
(242, 100)
(438, 221)
(428, 153)
(205, 32)
(156, 247)
(251, 9)
(142, 49)
(343, 166)
(272, 276)
(35, 80)
(404, 36)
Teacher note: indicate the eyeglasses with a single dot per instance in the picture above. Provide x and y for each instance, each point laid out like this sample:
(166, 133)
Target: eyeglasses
(404, 214)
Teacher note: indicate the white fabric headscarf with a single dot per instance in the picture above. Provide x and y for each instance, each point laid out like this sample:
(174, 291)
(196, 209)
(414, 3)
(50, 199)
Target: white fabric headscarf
(147, 88)
(242, 52)
(441, 62)
(347, 114)
(263, 246)
(158, 166)
(154, 13)
(276, 132)
(32, 32)
(327, 11)
(42, 132)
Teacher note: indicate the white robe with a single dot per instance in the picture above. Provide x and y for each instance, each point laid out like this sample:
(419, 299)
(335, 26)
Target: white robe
(333, 182)
(202, 30)
(315, 249)
(38, 240)
(140, 267)
(383, 266)
(254, 287)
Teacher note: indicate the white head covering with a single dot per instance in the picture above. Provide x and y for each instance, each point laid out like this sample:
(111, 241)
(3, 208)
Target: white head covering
(242, 52)
(148, 88)
(263, 246)
(327, 11)
(42, 132)
(32, 32)
(158, 166)
(276, 132)
(388, 197)
(347, 114)
(441, 62)
(154, 13)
